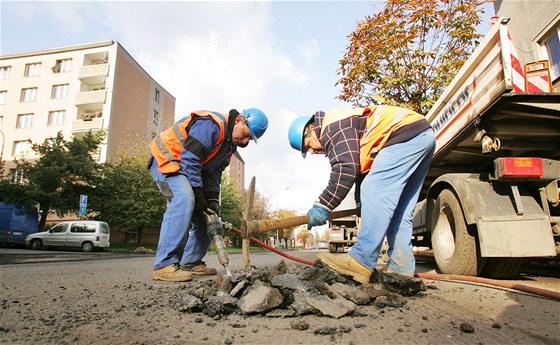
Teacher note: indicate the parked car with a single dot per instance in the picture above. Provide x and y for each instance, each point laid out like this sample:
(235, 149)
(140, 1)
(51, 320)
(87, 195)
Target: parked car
(323, 244)
(86, 234)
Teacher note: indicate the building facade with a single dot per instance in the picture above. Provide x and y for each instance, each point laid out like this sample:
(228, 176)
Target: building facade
(77, 89)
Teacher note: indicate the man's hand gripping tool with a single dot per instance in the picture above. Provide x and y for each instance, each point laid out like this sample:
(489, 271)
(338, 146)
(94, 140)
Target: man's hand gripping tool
(214, 229)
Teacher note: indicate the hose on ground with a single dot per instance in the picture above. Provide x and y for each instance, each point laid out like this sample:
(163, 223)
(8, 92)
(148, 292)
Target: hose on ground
(264, 245)
(448, 277)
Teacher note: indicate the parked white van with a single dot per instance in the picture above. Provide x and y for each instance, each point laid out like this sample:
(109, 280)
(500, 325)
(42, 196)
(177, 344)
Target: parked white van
(86, 234)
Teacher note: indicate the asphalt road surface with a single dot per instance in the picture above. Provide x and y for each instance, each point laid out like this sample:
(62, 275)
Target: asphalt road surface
(56, 297)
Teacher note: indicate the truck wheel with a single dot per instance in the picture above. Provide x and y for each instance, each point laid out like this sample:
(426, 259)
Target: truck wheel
(455, 248)
(87, 247)
(36, 244)
(332, 248)
(502, 268)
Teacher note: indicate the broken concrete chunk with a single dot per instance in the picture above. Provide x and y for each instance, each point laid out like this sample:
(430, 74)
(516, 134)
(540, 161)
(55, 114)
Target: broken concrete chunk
(352, 293)
(300, 306)
(239, 288)
(260, 299)
(334, 308)
(403, 285)
(290, 281)
(223, 283)
(220, 304)
(189, 303)
(390, 300)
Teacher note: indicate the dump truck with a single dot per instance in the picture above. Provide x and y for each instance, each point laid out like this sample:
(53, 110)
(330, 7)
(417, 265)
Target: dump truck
(342, 233)
(491, 197)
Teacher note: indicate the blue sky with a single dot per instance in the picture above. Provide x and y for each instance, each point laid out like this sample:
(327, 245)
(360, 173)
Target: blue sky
(280, 56)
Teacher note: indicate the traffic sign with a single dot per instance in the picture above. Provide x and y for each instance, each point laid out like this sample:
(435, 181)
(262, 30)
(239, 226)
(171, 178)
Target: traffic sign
(83, 204)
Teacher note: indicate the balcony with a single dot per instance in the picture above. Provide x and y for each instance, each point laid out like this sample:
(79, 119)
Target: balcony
(88, 97)
(94, 74)
(87, 124)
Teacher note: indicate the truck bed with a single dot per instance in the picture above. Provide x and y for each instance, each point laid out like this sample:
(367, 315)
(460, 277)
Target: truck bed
(527, 124)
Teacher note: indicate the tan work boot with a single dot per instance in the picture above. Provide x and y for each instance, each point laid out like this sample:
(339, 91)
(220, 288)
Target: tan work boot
(199, 269)
(345, 264)
(171, 273)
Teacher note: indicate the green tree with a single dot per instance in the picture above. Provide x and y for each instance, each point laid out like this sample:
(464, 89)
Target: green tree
(126, 194)
(408, 52)
(64, 171)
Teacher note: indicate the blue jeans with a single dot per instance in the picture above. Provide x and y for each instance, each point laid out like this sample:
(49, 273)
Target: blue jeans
(175, 244)
(388, 196)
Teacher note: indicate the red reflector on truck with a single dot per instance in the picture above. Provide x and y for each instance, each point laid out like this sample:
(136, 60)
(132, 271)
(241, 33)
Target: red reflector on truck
(519, 167)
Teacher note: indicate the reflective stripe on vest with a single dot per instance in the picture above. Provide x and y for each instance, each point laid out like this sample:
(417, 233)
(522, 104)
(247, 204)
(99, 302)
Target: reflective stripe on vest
(167, 146)
(382, 121)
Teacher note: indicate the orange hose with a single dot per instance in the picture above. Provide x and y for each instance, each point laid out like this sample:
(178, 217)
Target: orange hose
(509, 285)
(262, 244)
(493, 282)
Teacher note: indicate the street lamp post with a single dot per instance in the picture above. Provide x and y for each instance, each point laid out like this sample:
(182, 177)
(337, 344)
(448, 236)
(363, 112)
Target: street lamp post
(278, 213)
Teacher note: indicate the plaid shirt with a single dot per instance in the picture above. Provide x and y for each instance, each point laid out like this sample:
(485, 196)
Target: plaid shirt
(341, 143)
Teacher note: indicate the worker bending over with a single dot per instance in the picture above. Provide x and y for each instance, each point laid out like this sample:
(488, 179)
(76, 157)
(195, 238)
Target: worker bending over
(386, 151)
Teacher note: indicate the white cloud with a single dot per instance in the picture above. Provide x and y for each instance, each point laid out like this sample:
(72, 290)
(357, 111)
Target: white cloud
(222, 56)
(310, 50)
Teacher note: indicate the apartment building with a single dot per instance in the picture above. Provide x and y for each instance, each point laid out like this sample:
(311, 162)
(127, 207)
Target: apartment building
(74, 90)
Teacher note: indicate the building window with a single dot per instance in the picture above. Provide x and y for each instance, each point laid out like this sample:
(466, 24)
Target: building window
(24, 121)
(5, 72)
(32, 69)
(3, 95)
(56, 117)
(155, 118)
(28, 95)
(552, 45)
(62, 66)
(156, 96)
(59, 91)
(21, 148)
(15, 176)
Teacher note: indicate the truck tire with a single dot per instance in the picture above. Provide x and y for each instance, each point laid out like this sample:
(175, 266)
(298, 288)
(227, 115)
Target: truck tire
(455, 247)
(332, 248)
(502, 268)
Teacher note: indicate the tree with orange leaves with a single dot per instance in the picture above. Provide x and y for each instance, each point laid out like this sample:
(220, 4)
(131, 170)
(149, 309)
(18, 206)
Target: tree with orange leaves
(408, 52)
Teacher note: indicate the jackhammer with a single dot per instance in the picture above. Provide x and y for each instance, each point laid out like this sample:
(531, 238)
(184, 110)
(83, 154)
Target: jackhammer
(214, 229)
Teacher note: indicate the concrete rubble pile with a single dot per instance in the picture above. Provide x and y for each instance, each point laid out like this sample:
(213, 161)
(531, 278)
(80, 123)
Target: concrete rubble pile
(292, 291)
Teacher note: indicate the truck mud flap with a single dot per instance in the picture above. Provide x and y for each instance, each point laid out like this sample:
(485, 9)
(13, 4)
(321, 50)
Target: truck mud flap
(519, 238)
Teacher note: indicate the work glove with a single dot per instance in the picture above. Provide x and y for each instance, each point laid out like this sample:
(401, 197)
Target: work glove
(200, 203)
(318, 215)
(213, 200)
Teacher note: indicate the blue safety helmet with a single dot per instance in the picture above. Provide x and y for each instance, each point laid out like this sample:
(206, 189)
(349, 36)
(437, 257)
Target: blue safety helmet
(256, 121)
(296, 131)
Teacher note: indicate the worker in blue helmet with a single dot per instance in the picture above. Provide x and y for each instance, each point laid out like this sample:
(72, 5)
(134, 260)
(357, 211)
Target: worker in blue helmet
(186, 162)
(385, 152)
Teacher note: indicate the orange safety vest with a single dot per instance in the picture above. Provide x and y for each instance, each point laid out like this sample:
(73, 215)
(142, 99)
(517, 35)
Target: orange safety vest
(382, 121)
(167, 146)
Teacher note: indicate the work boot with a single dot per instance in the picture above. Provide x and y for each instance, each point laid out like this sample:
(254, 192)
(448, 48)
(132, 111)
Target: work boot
(171, 273)
(199, 268)
(345, 264)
